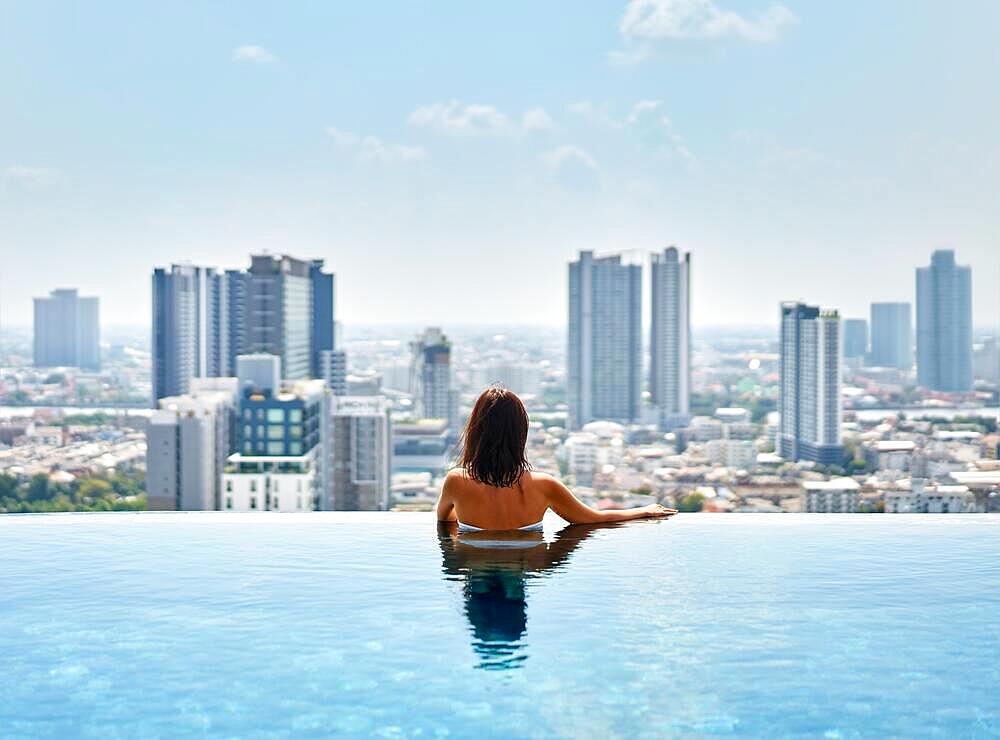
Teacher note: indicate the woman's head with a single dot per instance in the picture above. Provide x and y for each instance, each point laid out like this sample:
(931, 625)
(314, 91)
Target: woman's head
(494, 438)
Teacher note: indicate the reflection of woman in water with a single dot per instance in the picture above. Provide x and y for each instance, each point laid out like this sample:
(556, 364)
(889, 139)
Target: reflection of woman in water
(495, 488)
(494, 568)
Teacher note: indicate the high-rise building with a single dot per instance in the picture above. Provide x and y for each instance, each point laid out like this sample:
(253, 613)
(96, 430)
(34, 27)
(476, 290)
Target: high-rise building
(333, 369)
(892, 335)
(604, 342)
(670, 338)
(323, 322)
(203, 319)
(944, 324)
(67, 331)
(190, 328)
(187, 442)
(430, 375)
(282, 457)
(855, 338)
(809, 403)
(361, 455)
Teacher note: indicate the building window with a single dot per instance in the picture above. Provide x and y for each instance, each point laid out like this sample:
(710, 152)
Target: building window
(298, 485)
(253, 502)
(276, 489)
(229, 486)
(229, 502)
(276, 506)
(276, 416)
(253, 486)
(298, 502)
(247, 448)
(295, 448)
(295, 415)
(275, 448)
(247, 414)
(275, 431)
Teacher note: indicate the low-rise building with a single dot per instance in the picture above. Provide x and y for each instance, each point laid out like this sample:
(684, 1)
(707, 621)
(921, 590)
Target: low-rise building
(836, 496)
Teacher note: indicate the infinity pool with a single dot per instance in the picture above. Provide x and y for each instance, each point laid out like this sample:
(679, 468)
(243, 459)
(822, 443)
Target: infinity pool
(138, 625)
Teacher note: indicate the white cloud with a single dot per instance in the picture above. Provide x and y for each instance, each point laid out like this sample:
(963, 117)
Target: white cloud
(257, 54)
(643, 106)
(537, 119)
(458, 119)
(672, 20)
(31, 178)
(373, 149)
(565, 155)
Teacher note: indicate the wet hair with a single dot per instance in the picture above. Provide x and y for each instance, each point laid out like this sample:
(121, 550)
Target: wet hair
(494, 439)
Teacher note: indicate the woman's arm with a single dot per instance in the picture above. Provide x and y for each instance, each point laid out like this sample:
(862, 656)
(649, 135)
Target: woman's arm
(446, 504)
(562, 501)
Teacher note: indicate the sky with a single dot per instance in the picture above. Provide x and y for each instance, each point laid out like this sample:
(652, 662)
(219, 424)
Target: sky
(447, 159)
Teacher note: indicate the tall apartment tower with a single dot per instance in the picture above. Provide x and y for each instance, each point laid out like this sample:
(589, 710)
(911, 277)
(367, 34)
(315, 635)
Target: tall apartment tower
(187, 442)
(190, 328)
(361, 455)
(67, 331)
(670, 338)
(892, 335)
(204, 319)
(604, 342)
(944, 324)
(809, 386)
(430, 375)
(855, 338)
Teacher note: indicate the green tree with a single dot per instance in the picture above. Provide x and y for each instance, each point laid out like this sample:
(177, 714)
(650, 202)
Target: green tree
(691, 502)
(38, 488)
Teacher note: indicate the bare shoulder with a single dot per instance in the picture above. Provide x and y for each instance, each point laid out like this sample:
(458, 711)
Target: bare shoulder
(542, 481)
(455, 478)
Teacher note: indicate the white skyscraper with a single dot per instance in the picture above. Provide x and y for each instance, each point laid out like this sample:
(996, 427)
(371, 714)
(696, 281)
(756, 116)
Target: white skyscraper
(361, 453)
(670, 338)
(809, 387)
(187, 442)
(430, 375)
(604, 342)
(944, 324)
(67, 331)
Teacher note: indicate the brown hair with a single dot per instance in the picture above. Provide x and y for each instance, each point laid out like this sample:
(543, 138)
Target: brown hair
(494, 439)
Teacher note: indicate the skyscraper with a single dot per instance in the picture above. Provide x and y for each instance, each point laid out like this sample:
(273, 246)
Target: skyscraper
(187, 442)
(604, 362)
(361, 453)
(855, 338)
(67, 331)
(944, 324)
(670, 338)
(203, 319)
(809, 385)
(892, 335)
(430, 375)
(190, 328)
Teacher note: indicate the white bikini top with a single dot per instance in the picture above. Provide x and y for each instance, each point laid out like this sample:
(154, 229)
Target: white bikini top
(463, 527)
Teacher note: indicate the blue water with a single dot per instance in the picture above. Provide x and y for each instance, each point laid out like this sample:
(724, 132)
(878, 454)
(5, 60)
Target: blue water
(215, 625)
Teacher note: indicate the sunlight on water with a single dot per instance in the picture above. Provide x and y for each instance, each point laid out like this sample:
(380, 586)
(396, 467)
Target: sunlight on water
(277, 625)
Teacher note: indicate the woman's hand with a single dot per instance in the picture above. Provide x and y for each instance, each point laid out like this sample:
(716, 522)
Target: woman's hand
(658, 510)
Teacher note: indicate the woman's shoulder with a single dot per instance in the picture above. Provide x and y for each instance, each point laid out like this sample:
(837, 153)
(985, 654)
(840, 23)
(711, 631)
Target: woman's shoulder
(536, 478)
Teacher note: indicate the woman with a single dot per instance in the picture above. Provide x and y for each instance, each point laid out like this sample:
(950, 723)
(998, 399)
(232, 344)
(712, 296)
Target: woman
(495, 489)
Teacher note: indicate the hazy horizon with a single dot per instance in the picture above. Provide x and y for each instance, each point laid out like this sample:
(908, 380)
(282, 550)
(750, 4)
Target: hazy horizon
(799, 150)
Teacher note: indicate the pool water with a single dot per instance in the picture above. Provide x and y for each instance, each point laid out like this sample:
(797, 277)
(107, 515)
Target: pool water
(216, 625)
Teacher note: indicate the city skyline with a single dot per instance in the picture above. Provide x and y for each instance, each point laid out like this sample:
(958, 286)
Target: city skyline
(792, 164)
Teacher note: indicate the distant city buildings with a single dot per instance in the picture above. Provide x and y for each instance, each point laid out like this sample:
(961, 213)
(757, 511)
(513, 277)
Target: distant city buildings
(361, 454)
(604, 347)
(67, 331)
(670, 338)
(187, 442)
(855, 338)
(430, 376)
(809, 401)
(203, 319)
(892, 335)
(282, 457)
(944, 324)
(190, 328)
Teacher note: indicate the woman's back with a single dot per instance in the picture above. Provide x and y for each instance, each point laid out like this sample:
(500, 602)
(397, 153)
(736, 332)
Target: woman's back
(489, 507)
